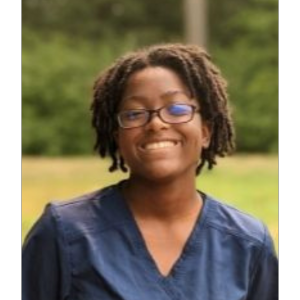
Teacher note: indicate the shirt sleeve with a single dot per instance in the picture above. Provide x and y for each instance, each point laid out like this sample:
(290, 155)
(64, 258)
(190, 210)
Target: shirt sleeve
(45, 274)
(264, 284)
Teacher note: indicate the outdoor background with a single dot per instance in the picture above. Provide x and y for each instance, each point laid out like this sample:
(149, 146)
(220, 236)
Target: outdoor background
(65, 44)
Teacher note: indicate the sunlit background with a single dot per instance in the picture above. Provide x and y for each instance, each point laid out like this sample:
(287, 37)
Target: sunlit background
(65, 44)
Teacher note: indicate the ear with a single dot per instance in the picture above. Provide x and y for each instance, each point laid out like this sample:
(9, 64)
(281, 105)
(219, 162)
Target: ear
(206, 135)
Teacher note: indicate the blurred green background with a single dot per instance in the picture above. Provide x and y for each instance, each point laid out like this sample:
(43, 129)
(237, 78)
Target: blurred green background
(65, 44)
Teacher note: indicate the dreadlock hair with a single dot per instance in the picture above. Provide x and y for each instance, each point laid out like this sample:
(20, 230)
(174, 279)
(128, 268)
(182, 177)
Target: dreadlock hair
(195, 68)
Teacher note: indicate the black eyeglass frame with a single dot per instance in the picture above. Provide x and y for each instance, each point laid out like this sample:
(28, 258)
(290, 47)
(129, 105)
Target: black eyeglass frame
(157, 111)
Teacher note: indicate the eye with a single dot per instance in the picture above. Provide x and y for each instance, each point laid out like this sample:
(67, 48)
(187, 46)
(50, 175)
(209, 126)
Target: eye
(133, 114)
(179, 109)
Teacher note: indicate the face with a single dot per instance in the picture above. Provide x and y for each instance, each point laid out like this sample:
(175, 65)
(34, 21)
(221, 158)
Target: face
(159, 150)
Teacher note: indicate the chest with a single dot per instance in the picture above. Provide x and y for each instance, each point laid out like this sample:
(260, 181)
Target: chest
(165, 243)
(121, 264)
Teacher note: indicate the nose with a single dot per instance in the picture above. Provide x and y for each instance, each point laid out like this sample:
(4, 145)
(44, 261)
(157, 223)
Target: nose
(155, 122)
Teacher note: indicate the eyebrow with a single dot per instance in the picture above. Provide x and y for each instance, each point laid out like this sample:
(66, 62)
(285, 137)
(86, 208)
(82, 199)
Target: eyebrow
(168, 93)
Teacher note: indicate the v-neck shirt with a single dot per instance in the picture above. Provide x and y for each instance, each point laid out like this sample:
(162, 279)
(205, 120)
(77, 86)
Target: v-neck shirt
(91, 248)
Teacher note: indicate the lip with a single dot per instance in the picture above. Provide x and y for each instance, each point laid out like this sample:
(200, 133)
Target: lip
(158, 144)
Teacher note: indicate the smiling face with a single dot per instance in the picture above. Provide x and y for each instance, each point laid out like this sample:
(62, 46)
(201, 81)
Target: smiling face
(157, 150)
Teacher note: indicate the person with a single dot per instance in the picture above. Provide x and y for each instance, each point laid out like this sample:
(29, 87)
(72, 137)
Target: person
(162, 113)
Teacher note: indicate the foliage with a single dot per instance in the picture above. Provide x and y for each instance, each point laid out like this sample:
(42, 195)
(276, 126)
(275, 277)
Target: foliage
(246, 50)
(67, 43)
(147, 20)
(57, 90)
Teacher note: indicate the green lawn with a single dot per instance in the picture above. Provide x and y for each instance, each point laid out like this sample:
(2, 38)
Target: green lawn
(250, 183)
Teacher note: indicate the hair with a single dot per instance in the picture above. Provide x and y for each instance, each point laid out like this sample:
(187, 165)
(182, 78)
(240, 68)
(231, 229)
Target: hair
(195, 68)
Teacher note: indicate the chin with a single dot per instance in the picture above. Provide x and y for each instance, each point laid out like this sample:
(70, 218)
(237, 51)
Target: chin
(159, 173)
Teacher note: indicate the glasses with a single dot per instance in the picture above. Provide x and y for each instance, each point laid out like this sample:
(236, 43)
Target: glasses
(171, 114)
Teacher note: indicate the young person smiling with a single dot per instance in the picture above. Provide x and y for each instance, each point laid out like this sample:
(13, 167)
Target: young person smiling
(163, 114)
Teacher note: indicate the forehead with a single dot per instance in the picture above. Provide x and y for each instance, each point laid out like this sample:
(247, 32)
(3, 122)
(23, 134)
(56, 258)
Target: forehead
(154, 81)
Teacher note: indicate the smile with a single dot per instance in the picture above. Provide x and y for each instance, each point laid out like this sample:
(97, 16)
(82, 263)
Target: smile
(160, 145)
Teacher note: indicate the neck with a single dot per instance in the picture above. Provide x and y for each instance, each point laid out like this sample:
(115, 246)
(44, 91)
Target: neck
(168, 201)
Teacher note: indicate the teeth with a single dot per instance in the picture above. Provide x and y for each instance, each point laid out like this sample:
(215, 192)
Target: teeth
(159, 145)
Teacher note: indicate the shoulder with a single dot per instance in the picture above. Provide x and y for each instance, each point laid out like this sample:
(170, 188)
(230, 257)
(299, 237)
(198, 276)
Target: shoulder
(80, 205)
(86, 213)
(243, 243)
(239, 225)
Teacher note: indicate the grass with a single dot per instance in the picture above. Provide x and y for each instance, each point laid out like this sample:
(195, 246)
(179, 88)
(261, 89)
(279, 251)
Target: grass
(250, 183)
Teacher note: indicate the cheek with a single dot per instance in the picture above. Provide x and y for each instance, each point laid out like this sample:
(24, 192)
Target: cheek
(197, 147)
(201, 134)
(125, 142)
(194, 134)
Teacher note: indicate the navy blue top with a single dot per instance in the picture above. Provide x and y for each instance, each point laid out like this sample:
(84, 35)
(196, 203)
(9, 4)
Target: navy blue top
(91, 248)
